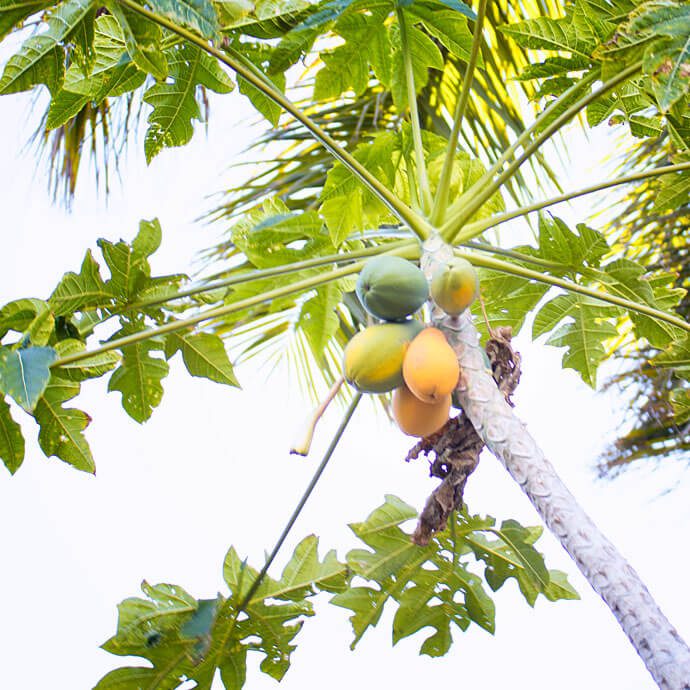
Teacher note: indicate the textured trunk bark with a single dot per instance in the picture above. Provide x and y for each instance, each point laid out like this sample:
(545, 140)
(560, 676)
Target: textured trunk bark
(663, 651)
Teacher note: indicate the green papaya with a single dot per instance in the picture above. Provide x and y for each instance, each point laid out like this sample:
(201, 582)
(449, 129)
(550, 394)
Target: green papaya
(391, 288)
(373, 358)
(455, 286)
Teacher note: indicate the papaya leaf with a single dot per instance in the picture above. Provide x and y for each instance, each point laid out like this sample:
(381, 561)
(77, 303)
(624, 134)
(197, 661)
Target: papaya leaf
(11, 439)
(142, 38)
(680, 401)
(204, 356)
(113, 74)
(14, 12)
(30, 317)
(667, 58)
(448, 27)
(64, 105)
(61, 428)
(174, 101)
(560, 245)
(556, 66)
(24, 373)
(139, 378)
(346, 68)
(425, 55)
(79, 291)
(83, 369)
(41, 59)
(197, 15)
(508, 299)
(676, 356)
(674, 192)
(433, 586)
(588, 326)
(188, 639)
(263, 104)
(318, 318)
(129, 267)
(627, 279)
(545, 33)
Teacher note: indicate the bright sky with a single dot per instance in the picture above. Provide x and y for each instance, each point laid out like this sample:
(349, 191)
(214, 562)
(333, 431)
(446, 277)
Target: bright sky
(211, 469)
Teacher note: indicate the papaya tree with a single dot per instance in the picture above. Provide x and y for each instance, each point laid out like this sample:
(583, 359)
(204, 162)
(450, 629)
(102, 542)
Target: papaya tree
(402, 140)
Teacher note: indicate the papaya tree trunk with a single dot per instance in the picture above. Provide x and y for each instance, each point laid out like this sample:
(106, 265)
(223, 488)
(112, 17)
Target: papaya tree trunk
(663, 651)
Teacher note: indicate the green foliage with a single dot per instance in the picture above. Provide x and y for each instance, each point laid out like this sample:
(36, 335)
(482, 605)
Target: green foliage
(113, 73)
(198, 15)
(24, 373)
(83, 290)
(11, 439)
(61, 428)
(587, 329)
(142, 39)
(139, 376)
(44, 366)
(662, 29)
(174, 101)
(433, 586)
(14, 12)
(204, 356)
(187, 638)
(41, 59)
(584, 325)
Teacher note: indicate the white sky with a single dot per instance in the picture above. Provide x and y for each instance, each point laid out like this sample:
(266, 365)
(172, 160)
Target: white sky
(211, 469)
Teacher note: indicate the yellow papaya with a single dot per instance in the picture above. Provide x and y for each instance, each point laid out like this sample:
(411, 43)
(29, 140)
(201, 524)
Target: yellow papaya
(373, 358)
(391, 288)
(430, 367)
(455, 286)
(417, 418)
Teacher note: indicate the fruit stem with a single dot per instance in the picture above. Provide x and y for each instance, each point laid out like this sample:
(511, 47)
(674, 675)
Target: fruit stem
(302, 447)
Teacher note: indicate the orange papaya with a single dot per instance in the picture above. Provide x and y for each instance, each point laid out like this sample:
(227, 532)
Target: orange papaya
(430, 367)
(417, 418)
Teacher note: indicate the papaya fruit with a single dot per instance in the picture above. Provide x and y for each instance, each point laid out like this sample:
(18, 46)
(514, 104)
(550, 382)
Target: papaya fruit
(417, 418)
(373, 358)
(430, 367)
(455, 286)
(391, 288)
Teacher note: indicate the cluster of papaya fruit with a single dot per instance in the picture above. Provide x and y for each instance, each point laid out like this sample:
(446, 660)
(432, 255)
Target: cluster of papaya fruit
(400, 354)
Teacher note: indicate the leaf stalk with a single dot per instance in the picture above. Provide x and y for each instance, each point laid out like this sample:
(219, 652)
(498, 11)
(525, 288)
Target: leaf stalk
(227, 309)
(420, 163)
(441, 200)
(513, 269)
(472, 230)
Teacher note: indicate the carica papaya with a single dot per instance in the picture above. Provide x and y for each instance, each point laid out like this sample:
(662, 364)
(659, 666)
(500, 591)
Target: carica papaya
(391, 288)
(430, 367)
(373, 359)
(455, 286)
(417, 418)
